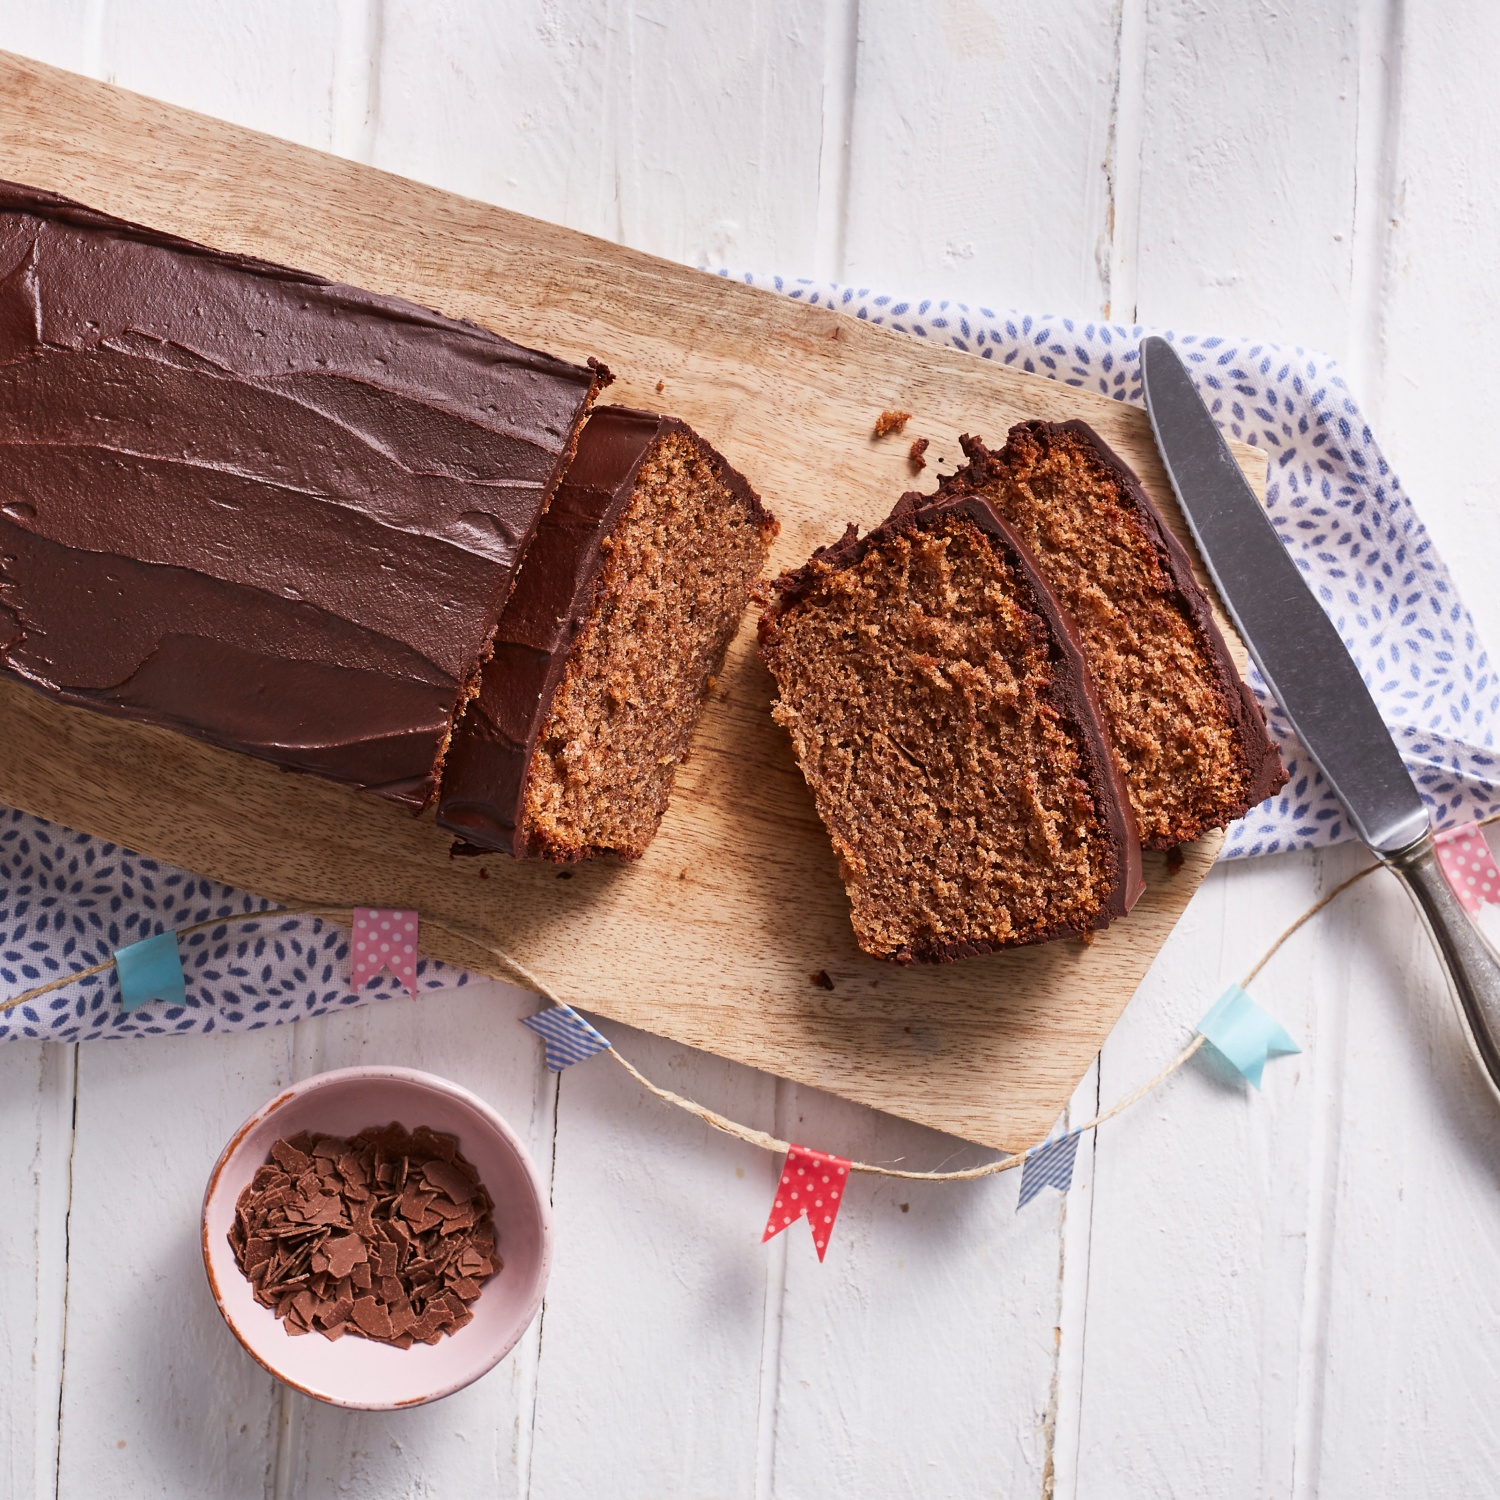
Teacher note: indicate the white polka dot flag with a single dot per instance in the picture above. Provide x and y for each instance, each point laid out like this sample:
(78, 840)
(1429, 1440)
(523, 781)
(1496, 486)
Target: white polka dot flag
(1469, 866)
(812, 1183)
(383, 940)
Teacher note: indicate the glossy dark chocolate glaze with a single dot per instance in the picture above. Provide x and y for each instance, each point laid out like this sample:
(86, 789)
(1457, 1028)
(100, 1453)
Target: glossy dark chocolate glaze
(269, 510)
(484, 775)
(1072, 691)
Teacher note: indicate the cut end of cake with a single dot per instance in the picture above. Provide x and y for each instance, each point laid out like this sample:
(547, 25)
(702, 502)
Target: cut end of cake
(601, 378)
(603, 661)
(1188, 736)
(678, 570)
(941, 717)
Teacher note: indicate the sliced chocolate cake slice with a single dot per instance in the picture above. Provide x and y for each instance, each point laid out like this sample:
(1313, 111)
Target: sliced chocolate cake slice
(1188, 734)
(255, 506)
(942, 715)
(625, 605)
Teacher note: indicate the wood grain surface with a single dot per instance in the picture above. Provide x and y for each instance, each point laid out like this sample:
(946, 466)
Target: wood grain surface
(714, 937)
(1286, 1294)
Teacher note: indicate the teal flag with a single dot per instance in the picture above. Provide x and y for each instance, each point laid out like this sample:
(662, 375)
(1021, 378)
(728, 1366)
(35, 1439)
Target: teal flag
(1244, 1034)
(151, 970)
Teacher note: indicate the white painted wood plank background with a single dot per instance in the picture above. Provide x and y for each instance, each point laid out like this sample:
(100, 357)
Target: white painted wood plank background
(1286, 1294)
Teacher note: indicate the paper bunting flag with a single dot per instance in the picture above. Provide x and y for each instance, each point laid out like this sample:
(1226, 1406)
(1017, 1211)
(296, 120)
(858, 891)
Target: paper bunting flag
(1244, 1034)
(568, 1037)
(384, 940)
(812, 1183)
(151, 970)
(1469, 866)
(1048, 1165)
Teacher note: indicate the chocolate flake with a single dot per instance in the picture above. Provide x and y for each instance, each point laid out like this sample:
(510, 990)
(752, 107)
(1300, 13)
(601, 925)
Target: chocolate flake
(372, 1318)
(449, 1181)
(286, 1155)
(344, 1253)
(388, 1235)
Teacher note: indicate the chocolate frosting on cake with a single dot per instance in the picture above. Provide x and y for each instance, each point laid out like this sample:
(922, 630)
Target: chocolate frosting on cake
(484, 775)
(253, 505)
(1072, 688)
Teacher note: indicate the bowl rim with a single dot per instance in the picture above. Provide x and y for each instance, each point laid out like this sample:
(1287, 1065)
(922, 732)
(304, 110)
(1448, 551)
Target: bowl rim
(370, 1073)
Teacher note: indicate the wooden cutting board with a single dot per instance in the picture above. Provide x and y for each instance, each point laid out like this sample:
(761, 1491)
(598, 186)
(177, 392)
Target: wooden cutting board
(714, 938)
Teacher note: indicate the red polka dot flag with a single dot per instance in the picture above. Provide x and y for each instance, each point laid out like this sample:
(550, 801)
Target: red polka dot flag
(812, 1183)
(1469, 866)
(384, 939)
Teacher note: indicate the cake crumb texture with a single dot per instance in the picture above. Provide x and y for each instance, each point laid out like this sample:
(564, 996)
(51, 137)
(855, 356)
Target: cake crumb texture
(920, 688)
(680, 565)
(1191, 744)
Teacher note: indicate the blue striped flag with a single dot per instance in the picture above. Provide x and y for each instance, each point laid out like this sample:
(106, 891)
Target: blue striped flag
(1049, 1165)
(568, 1037)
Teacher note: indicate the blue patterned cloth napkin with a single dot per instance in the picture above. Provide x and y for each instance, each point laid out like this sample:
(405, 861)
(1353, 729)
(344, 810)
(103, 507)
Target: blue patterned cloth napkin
(68, 900)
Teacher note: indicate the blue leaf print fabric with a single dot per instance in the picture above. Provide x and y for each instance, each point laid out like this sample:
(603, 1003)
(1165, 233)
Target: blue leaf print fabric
(68, 901)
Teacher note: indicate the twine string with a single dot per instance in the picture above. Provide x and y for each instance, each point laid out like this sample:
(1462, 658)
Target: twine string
(711, 1117)
(1307, 917)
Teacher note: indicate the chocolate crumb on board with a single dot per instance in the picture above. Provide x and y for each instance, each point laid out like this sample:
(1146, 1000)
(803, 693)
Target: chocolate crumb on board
(661, 385)
(387, 1235)
(915, 456)
(822, 980)
(891, 421)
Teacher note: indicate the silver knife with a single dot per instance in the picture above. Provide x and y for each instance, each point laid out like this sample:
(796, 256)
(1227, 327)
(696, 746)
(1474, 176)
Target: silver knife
(1314, 679)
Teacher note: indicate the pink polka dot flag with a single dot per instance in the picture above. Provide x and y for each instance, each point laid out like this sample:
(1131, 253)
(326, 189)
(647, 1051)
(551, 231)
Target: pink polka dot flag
(812, 1183)
(384, 939)
(1469, 866)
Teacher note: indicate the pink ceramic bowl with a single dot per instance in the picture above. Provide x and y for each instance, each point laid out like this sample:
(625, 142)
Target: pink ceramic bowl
(353, 1371)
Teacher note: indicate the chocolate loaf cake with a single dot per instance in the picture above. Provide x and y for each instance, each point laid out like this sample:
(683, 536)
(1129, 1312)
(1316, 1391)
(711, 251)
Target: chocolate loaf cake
(1188, 734)
(942, 715)
(604, 655)
(253, 505)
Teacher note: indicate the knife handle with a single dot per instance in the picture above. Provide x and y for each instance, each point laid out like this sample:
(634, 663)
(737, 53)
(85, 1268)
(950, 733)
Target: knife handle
(1473, 969)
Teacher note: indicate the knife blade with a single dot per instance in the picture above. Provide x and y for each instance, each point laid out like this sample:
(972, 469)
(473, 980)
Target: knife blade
(1293, 642)
(1314, 679)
